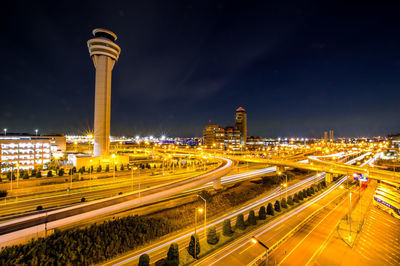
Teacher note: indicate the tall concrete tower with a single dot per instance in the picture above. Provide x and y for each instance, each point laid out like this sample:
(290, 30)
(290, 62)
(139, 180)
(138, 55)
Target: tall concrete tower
(104, 53)
(241, 124)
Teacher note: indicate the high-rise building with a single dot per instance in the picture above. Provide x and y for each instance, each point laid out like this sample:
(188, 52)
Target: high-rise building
(325, 137)
(331, 135)
(241, 125)
(104, 53)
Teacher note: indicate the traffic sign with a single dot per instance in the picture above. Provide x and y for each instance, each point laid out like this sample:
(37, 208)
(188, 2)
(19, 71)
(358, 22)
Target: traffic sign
(358, 176)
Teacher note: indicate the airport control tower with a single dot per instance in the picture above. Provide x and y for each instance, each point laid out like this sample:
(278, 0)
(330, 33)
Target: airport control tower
(104, 53)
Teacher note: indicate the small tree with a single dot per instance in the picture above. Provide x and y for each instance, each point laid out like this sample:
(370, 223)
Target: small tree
(33, 173)
(312, 190)
(308, 192)
(50, 173)
(290, 200)
(227, 228)
(194, 243)
(3, 193)
(73, 170)
(99, 169)
(61, 172)
(83, 199)
(107, 168)
(270, 209)
(173, 255)
(277, 206)
(38, 173)
(296, 198)
(283, 203)
(240, 222)
(304, 192)
(144, 260)
(212, 237)
(82, 170)
(262, 215)
(251, 219)
(300, 195)
(122, 167)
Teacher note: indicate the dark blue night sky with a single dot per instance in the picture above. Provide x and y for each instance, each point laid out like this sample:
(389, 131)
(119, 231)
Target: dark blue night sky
(298, 68)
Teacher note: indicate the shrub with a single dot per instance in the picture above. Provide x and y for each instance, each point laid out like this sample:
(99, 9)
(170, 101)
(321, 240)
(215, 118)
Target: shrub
(240, 222)
(33, 173)
(39, 208)
(38, 174)
(73, 170)
(227, 228)
(300, 197)
(308, 192)
(173, 255)
(212, 237)
(296, 197)
(61, 172)
(262, 215)
(283, 203)
(144, 260)
(290, 200)
(122, 167)
(192, 244)
(251, 219)
(270, 209)
(120, 193)
(312, 190)
(305, 194)
(277, 206)
(83, 199)
(99, 169)
(50, 173)
(3, 193)
(107, 168)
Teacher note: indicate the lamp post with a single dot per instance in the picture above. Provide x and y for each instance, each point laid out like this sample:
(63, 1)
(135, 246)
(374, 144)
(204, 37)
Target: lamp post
(350, 215)
(200, 210)
(5, 132)
(11, 176)
(205, 214)
(36, 131)
(113, 156)
(90, 173)
(255, 240)
(17, 175)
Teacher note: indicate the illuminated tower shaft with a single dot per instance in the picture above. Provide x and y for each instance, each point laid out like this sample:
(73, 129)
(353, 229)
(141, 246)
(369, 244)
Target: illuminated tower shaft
(104, 53)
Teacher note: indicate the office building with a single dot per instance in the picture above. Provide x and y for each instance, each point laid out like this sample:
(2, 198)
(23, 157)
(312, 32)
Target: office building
(255, 143)
(104, 53)
(241, 125)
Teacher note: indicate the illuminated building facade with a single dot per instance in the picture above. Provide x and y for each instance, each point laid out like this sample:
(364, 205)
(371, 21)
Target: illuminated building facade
(255, 143)
(28, 152)
(104, 53)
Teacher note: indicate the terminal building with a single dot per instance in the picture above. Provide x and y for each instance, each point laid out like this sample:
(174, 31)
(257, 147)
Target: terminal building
(28, 151)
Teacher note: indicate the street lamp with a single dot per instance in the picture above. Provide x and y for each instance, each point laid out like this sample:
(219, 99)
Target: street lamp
(200, 210)
(205, 214)
(255, 241)
(350, 215)
(284, 184)
(17, 175)
(113, 156)
(5, 132)
(36, 131)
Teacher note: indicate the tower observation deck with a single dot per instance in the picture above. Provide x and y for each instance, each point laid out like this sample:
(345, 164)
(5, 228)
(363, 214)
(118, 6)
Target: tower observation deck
(104, 53)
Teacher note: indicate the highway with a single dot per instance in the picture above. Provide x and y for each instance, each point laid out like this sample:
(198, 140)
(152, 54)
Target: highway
(39, 223)
(159, 249)
(243, 252)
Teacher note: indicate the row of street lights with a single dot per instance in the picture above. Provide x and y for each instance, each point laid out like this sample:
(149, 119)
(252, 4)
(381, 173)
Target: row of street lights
(5, 131)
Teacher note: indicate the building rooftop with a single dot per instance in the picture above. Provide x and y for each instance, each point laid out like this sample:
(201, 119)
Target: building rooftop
(240, 109)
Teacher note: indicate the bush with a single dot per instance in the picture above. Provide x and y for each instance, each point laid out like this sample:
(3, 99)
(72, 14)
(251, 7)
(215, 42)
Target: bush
(300, 197)
(39, 208)
(290, 200)
(277, 206)
(83, 199)
(251, 219)
(312, 190)
(240, 222)
(73, 170)
(308, 192)
(38, 174)
(323, 183)
(33, 173)
(270, 209)
(212, 237)
(144, 260)
(283, 203)
(304, 193)
(262, 215)
(99, 169)
(296, 197)
(50, 173)
(107, 168)
(3, 193)
(122, 167)
(173, 255)
(192, 244)
(227, 228)
(61, 172)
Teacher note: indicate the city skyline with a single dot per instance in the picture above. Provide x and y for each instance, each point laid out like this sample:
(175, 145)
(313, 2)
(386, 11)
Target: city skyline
(294, 76)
